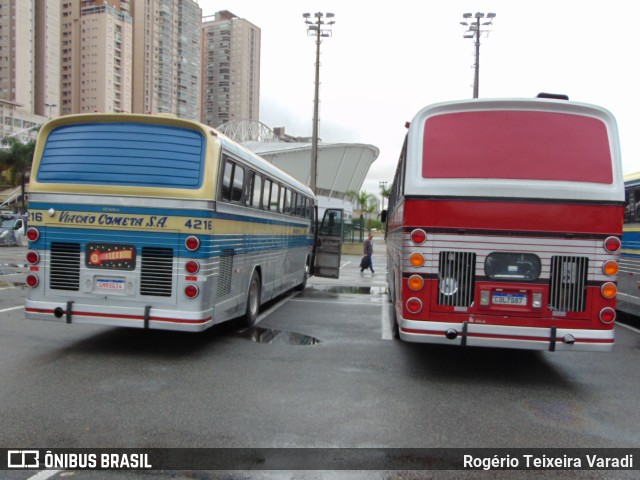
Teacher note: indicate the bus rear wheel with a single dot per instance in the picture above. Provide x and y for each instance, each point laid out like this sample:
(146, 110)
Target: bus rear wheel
(253, 302)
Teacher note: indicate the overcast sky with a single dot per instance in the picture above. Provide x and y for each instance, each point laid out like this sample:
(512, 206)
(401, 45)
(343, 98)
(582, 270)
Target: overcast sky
(384, 64)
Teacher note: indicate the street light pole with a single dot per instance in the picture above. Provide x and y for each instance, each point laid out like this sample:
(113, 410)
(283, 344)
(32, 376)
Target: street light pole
(383, 185)
(474, 31)
(318, 29)
(50, 106)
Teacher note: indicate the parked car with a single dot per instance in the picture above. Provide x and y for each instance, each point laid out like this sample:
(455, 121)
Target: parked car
(12, 230)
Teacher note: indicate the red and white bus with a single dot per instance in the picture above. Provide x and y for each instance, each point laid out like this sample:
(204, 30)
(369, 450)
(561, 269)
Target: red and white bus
(504, 226)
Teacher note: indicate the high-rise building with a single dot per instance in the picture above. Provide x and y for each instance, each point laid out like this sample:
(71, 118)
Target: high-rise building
(29, 63)
(97, 47)
(166, 59)
(47, 58)
(230, 69)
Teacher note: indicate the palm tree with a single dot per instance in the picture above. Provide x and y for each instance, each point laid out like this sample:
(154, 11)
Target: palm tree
(16, 159)
(362, 199)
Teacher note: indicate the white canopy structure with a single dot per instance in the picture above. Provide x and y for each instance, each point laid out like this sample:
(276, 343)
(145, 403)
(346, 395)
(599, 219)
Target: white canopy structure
(342, 167)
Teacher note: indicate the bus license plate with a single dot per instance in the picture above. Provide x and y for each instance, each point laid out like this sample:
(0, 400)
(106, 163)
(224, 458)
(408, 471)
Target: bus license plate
(110, 284)
(519, 299)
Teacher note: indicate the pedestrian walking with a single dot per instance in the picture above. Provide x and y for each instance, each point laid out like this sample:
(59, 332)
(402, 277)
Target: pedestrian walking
(368, 252)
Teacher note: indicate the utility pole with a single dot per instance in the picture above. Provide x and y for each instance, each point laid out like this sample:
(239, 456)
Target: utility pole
(474, 30)
(318, 29)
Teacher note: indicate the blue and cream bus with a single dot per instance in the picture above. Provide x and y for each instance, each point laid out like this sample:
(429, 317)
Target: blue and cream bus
(151, 221)
(629, 274)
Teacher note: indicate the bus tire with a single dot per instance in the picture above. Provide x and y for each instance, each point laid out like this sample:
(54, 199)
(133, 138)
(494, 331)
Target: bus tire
(253, 302)
(395, 329)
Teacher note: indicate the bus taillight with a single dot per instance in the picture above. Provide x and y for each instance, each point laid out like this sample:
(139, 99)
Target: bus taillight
(607, 315)
(609, 290)
(33, 257)
(32, 280)
(415, 282)
(33, 234)
(418, 236)
(192, 243)
(416, 259)
(192, 267)
(610, 268)
(612, 244)
(191, 291)
(414, 305)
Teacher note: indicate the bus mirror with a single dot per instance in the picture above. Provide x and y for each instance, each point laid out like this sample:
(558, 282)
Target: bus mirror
(383, 216)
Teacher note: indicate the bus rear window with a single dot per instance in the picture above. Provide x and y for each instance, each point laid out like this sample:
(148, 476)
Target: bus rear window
(520, 145)
(130, 154)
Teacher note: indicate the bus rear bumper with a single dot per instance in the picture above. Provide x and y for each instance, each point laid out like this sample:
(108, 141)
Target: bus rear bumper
(146, 317)
(528, 338)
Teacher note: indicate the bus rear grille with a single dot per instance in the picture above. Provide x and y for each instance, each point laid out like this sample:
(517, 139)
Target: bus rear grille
(156, 272)
(567, 287)
(456, 278)
(64, 269)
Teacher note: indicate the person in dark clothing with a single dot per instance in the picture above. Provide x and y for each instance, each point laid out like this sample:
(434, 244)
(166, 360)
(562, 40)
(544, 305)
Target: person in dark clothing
(368, 251)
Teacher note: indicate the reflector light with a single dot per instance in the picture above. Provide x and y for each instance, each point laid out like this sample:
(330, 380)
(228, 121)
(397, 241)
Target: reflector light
(536, 301)
(33, 234)
(33, 257)
(414, 305)
(192, 266)
(484, 297)
(191, 291)
(609, 290)
(612, 244)
(32, 280)
(192, 243)
(610, 268)
(418, 236)
(607, 315)
(416, 259)
(415, 282)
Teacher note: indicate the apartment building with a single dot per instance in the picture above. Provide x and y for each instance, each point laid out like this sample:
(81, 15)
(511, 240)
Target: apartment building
(166, 57)
(29, 63)
(97, 48)
(230, 69)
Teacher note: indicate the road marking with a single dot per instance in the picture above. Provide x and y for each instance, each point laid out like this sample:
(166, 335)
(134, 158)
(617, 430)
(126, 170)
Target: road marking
(44, 474)
(12, 309)
(385, 319)
(333, 302)
(629, 327)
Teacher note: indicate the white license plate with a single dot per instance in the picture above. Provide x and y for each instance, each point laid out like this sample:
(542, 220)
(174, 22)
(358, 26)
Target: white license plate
(519, 299)
(110, 284)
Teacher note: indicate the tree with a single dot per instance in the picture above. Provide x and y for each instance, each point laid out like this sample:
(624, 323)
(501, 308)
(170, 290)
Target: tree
(15, 158)
(362, 199)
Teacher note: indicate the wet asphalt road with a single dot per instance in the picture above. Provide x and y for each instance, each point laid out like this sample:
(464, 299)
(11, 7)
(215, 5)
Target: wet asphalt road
(330, 377)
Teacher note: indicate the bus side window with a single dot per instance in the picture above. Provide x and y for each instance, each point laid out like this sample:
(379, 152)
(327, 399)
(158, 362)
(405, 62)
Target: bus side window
(274, 202)
(238, 184)
(225, 193)
(266, 194)
(256, 191)
(287, 206)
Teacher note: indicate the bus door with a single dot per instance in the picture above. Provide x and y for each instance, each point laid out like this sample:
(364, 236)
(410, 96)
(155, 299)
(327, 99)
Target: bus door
(328, 245)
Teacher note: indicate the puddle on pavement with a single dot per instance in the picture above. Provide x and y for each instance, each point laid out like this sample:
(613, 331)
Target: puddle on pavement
(347, 289)
(277, 337)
